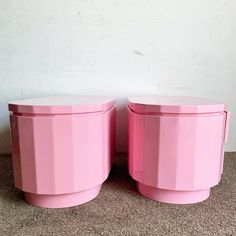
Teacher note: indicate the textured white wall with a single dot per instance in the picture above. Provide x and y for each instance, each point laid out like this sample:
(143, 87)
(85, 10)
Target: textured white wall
(117, 47)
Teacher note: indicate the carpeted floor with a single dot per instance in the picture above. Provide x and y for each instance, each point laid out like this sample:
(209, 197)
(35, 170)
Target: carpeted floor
(120, 210)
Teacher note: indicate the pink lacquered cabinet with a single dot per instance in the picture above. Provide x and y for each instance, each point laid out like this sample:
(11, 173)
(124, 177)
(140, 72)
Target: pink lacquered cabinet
(176, 146)
(62, 148)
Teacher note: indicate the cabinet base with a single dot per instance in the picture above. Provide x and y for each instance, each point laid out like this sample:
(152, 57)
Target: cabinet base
(171, 196)
(62, 200)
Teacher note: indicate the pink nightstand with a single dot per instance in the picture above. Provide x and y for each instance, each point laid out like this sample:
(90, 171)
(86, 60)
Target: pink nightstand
(63, 148)
(176, 146)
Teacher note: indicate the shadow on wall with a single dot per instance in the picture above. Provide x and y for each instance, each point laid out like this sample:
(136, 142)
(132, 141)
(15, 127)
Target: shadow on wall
(5, 146)
(121, 126)
(5, 140)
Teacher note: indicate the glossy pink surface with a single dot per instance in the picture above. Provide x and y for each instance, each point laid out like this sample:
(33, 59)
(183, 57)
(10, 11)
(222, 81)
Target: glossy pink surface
(174, 105)
(173, 155)
(170, 196)
(62, 200)
(62, 105)
(67, 155)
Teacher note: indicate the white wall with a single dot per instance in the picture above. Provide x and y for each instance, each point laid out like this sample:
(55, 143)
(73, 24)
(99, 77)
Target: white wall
(117, 47)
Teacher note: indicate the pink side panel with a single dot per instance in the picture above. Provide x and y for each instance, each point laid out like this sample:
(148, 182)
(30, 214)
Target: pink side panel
(24, 169)
(176, 152)
(64, 153)
(15, 151)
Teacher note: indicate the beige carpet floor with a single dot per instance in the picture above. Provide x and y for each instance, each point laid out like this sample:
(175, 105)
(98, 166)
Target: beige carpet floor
(120, 210)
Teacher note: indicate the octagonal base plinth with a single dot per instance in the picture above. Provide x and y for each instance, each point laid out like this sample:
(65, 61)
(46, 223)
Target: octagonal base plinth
(62, 200)
(171, 196)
